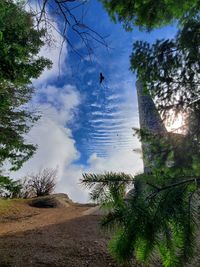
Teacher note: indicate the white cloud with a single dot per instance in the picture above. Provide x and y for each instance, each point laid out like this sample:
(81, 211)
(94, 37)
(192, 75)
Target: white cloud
(56, 146)
(60, 102)
(115, 97)
(119, 161)
(123, 161)
(57, 54)
(70, 183)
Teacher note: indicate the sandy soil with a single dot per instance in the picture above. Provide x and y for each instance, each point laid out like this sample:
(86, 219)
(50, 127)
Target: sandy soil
(53, 237)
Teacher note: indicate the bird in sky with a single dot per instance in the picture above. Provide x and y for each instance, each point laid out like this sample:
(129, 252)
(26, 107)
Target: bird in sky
(101, 77)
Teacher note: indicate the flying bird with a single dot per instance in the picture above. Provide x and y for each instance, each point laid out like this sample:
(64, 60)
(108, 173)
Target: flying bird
(101, 77)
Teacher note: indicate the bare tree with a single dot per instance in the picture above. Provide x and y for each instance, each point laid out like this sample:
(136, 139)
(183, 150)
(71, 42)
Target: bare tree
(71, 23)
(42, 183)
(26, 188)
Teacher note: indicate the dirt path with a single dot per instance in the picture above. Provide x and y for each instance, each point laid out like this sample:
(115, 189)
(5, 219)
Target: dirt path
(41, 218)
(54, 237)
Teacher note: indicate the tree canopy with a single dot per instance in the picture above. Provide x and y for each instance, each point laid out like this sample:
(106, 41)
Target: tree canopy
(149, 14)
(19, 63)
(170, 68)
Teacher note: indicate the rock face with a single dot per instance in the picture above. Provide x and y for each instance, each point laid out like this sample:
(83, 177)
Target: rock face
(148, 114)
(149, 120)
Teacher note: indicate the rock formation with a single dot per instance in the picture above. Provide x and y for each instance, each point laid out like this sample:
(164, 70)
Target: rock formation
(150, 121)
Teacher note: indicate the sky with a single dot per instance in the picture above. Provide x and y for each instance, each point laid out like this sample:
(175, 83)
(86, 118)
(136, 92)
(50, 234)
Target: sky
(87, 126)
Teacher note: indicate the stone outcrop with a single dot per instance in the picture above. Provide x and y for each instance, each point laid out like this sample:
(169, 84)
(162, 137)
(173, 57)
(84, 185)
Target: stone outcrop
(51, 201)
(148, 114)
(150, 121)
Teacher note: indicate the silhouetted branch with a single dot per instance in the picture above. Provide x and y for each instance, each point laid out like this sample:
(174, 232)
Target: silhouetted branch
(70, 25)
(187, 180)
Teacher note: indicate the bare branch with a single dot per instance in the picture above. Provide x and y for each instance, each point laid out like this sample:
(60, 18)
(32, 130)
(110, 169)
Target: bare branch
(187, 180)
(42, 183)
(70, 23)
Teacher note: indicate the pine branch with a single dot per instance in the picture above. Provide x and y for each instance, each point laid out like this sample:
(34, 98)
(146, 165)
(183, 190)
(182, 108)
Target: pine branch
(160, 189)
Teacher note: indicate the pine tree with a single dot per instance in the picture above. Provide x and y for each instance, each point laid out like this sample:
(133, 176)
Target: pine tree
(20, 43)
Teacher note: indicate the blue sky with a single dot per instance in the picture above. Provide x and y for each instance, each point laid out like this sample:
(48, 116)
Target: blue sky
(85, 126)
(109, 111)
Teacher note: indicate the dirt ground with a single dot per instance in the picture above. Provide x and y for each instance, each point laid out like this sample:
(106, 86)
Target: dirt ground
(66, 236)
(52, 237)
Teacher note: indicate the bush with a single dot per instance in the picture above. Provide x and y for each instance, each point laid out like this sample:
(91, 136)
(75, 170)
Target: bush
(26, 189)
(41, 184)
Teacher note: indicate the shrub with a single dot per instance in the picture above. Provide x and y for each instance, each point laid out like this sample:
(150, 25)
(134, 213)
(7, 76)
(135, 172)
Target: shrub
(42, 183)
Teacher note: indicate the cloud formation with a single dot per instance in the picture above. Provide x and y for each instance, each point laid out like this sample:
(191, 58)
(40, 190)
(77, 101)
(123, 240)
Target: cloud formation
(56, 146)
(111, 118)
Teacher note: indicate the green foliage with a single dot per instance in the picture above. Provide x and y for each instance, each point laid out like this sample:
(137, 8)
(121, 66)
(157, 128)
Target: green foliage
(150, 14)
(20, 43)
(110, 189)
(156, 218)
(9, 188)
(169, 69)
(172, 150)
(19, 46)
